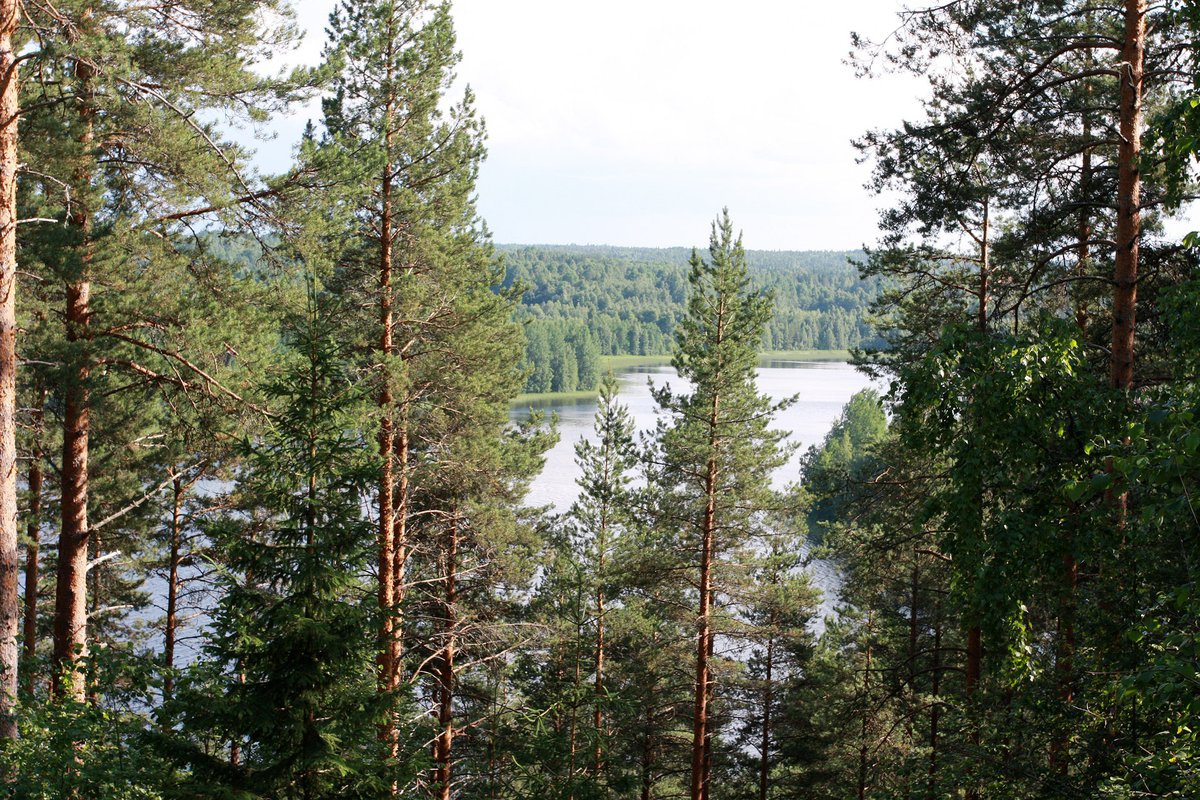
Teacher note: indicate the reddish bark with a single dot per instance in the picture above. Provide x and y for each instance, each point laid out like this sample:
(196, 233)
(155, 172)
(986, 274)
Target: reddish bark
(70, 600)
(701, 744)
(33, 531)
(704, 634)
(173, 559)
(1129, 220)
(9, 160)
(400, 549)
(389, 626)
(442, 753)
(70, 607)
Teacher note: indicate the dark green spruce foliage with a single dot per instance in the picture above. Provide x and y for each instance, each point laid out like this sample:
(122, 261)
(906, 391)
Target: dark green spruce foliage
(770, 753)
(287, 679)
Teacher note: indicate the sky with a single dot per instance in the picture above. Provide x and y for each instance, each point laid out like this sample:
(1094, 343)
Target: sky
(633, 122)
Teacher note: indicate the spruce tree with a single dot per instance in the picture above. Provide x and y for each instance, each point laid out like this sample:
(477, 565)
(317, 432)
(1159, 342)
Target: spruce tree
(291, 647)
(602, 514)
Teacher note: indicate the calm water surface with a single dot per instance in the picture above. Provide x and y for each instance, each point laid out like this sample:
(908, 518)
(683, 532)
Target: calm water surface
(821, 389)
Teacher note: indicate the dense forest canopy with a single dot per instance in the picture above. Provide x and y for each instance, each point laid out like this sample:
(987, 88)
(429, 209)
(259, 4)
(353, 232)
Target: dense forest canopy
(263, 530)
(584, 301)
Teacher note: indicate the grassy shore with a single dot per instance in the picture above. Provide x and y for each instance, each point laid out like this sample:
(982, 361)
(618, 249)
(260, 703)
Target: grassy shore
(618, 363)
(538, 398)
(804, 355)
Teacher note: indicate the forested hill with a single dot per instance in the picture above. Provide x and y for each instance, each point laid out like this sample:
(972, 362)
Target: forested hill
(585, 301)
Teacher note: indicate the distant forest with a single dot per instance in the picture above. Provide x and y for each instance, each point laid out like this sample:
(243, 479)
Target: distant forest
(582, 302)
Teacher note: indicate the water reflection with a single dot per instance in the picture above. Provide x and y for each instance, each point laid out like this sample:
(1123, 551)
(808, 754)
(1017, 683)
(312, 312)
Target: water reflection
(820, 389)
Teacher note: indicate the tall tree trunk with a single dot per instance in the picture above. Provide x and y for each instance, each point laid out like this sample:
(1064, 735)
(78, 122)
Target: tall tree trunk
(985, 267)
(703, 625)
(573, 733)
(864, 743)
(648, 754)
(389, 630)
(33, 532)
(1084, 234)
(235, 746)
(1066, 619)
(704, 621)
(1129, 220)
(935, 712)
(400, 548)
(445, 740)
(598, 689)
(390, 624)
(172, 588)
(9, 160)
(70, 599)
(912, 646)
(764, 751)
(70, 607)
(706, 789)
(974, 666)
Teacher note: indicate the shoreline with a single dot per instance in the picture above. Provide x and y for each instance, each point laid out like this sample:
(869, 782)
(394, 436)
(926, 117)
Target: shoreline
(615, 363)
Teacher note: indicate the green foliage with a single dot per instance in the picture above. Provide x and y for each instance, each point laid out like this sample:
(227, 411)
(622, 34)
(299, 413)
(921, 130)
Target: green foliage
(844, 455)
(627, 301)
(291, 650)
(1163, 692)
(92, 749)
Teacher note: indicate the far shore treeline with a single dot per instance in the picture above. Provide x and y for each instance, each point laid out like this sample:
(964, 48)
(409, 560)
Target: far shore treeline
(581, 302)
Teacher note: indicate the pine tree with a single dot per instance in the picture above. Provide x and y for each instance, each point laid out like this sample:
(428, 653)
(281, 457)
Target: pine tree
(9, 160)
(410, 166)
(717, 450)
(118, 153)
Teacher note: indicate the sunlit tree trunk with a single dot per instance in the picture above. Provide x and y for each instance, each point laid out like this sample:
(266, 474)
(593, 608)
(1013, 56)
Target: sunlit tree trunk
(389, 631)
(700, 722)
(1129, 185)
(70, 603)
(9, 161)
(173, 558)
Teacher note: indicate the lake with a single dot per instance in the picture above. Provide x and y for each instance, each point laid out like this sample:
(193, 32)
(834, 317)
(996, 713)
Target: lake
(822, 388)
